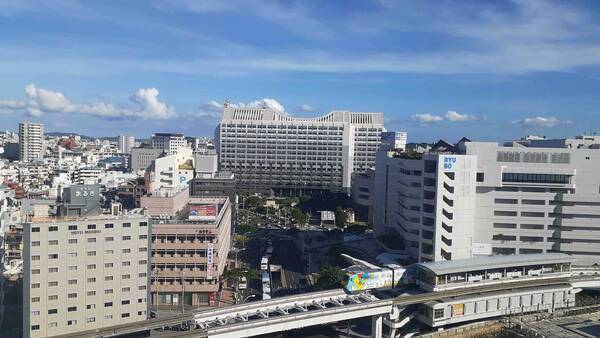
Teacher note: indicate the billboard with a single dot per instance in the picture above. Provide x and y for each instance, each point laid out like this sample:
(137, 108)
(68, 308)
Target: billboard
(203, 212)
(358, 281)
(458, 309)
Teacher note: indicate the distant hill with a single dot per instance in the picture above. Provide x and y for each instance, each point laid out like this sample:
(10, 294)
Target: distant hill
(60, 134)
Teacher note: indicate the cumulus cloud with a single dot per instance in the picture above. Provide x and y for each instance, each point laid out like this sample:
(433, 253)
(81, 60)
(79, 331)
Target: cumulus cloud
(39, 101)
(458, 117)
(427, 118)
(306, 108)
(540, 122)
(452, 116)
(211, 109)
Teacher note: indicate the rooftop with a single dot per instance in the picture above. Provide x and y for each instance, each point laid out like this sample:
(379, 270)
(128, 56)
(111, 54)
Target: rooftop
(493, 262)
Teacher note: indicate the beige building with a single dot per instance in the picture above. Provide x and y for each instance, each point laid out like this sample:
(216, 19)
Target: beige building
(189, 254)
(165, 202)
(85, 273)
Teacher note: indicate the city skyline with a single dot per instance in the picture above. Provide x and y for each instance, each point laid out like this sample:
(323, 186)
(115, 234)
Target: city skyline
(486, 71)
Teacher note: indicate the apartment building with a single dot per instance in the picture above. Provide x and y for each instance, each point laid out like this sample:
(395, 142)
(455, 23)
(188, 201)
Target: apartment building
(85, 273)
(479, 198)
(141, 158)
(125, 143)
(170, 143)
(268, 149)
(189, 253)
(31, 141)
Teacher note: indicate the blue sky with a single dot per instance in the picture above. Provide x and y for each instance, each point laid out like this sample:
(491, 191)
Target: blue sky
(489, 70)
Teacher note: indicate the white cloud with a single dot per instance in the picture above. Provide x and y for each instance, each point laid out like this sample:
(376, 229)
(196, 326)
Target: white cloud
(427, 118)
(39, 101)
(452, 116)
(11, 104)
(306, 108)
(457, 117)
(540, 122)
(213, 109)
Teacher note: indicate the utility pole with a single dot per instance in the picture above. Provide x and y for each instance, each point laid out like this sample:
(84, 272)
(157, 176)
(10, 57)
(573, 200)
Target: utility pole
(182, 291)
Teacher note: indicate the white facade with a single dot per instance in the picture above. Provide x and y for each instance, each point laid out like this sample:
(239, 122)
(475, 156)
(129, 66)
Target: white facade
(491, 199)
(169, 143)
(268, 149)
(85, 274)
(31, 141)
(126, 143)
(170, 172)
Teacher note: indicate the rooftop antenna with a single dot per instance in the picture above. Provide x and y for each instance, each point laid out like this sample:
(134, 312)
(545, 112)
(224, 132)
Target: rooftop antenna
(226, 103)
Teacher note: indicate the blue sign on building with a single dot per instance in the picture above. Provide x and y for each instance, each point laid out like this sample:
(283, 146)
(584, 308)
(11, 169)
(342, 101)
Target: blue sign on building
(449, 162)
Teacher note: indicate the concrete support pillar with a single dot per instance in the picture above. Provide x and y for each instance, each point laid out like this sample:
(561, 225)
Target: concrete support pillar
(377, 326)
(392, 332)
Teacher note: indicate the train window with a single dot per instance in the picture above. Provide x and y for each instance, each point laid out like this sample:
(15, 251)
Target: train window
(438, 313)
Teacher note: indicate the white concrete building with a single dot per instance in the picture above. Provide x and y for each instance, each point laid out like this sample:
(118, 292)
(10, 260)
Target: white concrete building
(169, 172)
(126, 143)
(170, 143)
(268, 149)
(478, 198)
(31, 141)
(85, 273)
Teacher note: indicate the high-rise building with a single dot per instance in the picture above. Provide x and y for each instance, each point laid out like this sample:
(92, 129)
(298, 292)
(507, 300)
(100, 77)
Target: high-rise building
(85, 273)
(479, 198)
(126, 143)
(170, 143)
(267, 149)
(141, 158)
(31, 141)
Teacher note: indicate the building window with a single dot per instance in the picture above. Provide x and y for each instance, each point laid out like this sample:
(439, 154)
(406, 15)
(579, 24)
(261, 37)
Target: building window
(108, 226)
(108, 278)
(91, 240)
(35, 243)
(35, 258)
(53, 256)
(126, 263)
(124, 302)
(52, 311)
(90, 319)
(35, 285)
(124, 315)
(438, 313)
(126, 238)
(91, 227)
(108, 304)
(53, 228)
(35, 229)
(72, 281)
(125, 276)
(72, 295)
(53, 283)
(72, 268)
(71, 322)
(480, 177)
(109, 239)
(72, 227)
(53, 242)
(35, 327)
(72, 241)
(91, 266)
(109, 252)
(35, 299)
(52, 270)
(91, 280)
(72, 308)
(108, 317)
(91, 306)
(91, 253)
(108, 291)
(126, 225)
(143, 261)
(126, 250)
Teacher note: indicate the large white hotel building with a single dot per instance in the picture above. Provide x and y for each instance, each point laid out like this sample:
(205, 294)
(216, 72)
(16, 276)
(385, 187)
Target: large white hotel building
(479, 198)
(268, 149)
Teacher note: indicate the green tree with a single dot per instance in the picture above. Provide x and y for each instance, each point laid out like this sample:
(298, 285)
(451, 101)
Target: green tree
(299, 216)
(340, 217)
(330, 277)
(254, 202)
